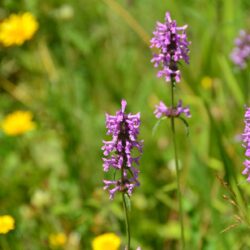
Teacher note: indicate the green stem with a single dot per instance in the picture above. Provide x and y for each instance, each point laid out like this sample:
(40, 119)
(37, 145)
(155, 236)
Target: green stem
(126, 220)
(177, 168)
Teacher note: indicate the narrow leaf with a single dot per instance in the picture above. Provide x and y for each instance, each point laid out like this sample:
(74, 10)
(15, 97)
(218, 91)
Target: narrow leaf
(128, 202)
(157, 125)
(185, 123)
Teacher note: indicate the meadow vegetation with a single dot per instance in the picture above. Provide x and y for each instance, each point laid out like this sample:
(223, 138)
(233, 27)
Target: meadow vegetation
(82, 60)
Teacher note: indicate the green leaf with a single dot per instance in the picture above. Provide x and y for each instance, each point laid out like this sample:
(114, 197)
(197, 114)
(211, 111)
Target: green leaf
(231, 81)
(185, 123)
(127, 202)
(157, 125)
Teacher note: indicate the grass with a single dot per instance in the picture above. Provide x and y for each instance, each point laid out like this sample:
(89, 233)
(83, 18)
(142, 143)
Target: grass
(87, 56)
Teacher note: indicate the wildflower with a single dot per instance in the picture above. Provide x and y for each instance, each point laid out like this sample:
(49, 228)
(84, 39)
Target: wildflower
(207, 82)
(17, 28)
(107, 241)
(163, 110)
(246, 143)
(173, 47)
(7, 223)
(241, 53)
(18, 123)
(57, 240)
(124, 129)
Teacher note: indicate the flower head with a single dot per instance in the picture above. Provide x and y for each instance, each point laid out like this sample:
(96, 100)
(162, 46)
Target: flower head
(7, 223)
(207, 82)
(17, 28)
(57, 240)
(119, 152)
(162, 110)
(107, 241)
(173, 47)
(246, 143)
(241, 53)
(18, 123)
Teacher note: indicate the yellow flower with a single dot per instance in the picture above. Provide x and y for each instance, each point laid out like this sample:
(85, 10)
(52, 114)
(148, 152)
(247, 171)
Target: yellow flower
(108, 241)
(207, 82)
(57, 240)
(17, 28)
(18, 123)
(6, 224)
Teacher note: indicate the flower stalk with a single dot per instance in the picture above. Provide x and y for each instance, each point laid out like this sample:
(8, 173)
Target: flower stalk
(177, 168)
(120, 156)
(172, 44)
(127, 223)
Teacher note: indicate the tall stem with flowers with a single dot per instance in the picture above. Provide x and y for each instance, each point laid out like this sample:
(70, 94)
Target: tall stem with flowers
(172, 45)
(124, 129)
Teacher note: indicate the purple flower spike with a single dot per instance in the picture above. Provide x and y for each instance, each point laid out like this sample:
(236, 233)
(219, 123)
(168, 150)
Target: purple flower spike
(241, 53)
(124, 129)
(162, 110)
(246, 143)
(173, 47)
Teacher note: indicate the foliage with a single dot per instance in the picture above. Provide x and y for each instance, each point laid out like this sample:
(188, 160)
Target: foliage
(85, 57)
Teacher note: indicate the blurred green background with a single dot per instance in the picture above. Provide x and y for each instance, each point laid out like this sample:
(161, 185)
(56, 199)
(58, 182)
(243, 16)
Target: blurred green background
(85, 57)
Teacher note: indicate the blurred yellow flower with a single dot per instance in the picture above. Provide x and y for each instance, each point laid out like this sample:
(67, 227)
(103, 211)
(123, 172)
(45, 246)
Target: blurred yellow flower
(108, 241)
(18, 123)
(17, 28)
(6, 224)
(207, 82)
(57, 240)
